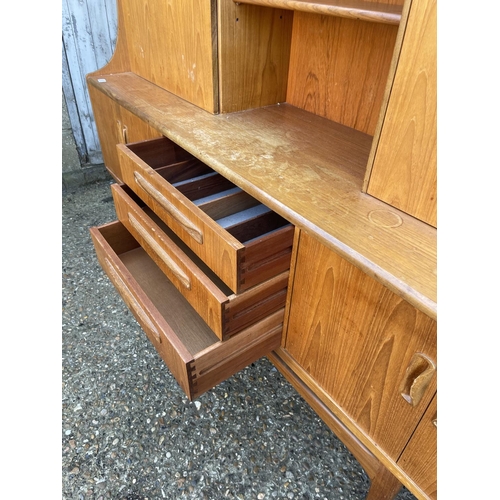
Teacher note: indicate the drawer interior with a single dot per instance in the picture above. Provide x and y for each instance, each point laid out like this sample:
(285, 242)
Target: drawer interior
(241, 215)
(183, 319)
(193, 353)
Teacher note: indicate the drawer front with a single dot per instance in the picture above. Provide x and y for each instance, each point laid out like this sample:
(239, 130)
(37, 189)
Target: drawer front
(241, 240)
(195, 356)
(224, 312)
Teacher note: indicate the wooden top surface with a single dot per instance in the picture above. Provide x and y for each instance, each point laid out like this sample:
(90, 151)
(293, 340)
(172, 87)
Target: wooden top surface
(308, 169)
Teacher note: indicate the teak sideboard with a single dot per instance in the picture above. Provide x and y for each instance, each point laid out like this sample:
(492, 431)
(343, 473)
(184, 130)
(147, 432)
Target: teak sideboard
(275, 168)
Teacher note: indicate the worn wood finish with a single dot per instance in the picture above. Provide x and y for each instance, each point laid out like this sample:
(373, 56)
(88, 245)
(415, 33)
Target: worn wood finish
(307, 169)
(419, 459)
(357, 339)
(223, 250)
(254, 51)
(194, 355)
(404, 171)
(364, 10)
(339, 68)
(224, 312)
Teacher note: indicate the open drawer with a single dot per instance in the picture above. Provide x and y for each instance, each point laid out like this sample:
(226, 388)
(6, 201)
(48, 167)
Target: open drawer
(194, 355)
(240, 239)
(225, 313)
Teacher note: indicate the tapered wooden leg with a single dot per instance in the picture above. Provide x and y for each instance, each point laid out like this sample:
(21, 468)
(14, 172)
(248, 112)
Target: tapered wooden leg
(384, 485)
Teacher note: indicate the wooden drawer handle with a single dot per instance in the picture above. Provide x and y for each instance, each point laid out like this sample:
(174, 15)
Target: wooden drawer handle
(125, 292)
(417, 378)
(173, 211)
(122, 132)
(178, 272)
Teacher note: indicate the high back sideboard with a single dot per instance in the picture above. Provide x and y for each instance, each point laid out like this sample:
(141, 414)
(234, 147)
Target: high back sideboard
(275, 168)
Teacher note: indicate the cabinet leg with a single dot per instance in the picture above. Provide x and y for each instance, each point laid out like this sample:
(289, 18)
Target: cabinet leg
(384, 485)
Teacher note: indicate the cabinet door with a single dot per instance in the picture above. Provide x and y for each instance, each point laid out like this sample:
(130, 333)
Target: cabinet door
(404, 170)
(367, 348)
(116, 125)
(419, 460)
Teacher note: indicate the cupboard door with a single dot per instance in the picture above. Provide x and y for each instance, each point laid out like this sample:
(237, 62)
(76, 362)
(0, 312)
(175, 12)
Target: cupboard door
(419, 460)
(116, 125)
(404, 172)
(367, 348)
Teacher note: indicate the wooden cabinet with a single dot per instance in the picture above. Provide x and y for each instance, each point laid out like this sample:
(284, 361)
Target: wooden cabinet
(276, 164)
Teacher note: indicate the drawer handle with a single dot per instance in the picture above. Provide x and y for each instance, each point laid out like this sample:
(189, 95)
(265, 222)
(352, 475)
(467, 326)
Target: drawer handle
(179, 273)
(174, 212)
(417, 378)
(125, 291)
(122, 132)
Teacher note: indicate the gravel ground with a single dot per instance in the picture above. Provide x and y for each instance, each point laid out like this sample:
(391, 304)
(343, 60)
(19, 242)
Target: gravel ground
(128, 431)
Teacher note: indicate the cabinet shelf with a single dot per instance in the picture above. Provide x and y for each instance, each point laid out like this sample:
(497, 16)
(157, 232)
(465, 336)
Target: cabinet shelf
(304, 167)
(352, 9)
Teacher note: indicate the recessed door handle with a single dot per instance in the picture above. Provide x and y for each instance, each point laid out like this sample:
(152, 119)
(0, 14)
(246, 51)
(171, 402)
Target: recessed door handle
(417, 378)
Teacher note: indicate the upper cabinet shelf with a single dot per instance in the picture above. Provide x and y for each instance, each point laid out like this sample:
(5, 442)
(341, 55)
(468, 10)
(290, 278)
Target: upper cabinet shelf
(363, 10)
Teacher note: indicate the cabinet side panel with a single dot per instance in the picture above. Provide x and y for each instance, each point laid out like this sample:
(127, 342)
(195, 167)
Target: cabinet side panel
(339, 68)
(115, 125)
(356, 339)
(404, 172)
(171, 44)
(254, 51)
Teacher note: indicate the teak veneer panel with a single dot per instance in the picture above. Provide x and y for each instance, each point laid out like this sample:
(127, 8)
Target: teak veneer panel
(172, 44)
(356, 339)
(254, 53)
(348, 85)
(404, 171)
(304, 167)
(388, 12)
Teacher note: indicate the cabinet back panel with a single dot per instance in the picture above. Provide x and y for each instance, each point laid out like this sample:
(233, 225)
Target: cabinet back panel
(172, 44)
(339, 68)
(254, 52)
